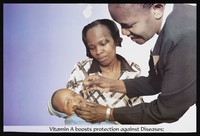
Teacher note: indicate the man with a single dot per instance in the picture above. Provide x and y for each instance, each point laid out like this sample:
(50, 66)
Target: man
(172, 64)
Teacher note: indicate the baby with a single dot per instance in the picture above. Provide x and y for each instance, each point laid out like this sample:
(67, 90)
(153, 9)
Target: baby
(64, 102)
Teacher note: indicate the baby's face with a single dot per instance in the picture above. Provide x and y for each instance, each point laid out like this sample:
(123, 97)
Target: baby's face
(70, 100)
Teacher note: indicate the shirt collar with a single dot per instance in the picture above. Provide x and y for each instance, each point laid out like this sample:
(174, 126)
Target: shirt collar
(95, 68)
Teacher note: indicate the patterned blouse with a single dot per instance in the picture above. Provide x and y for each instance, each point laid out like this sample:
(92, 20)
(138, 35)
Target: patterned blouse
(112, 99)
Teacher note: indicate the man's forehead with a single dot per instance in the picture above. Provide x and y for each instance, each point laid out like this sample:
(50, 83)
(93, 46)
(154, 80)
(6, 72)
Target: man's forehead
(123, 6)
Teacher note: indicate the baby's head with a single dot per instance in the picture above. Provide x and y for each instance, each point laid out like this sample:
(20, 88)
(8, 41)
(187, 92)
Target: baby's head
(65, 101)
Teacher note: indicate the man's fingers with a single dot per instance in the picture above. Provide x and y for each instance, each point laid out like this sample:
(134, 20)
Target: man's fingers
(83, 116)
(90, 104)
(91, 89)
(90, 80)
(84, 113)
(84, 109)
(101, 89)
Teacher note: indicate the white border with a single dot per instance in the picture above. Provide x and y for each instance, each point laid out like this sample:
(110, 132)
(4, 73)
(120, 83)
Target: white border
(164, 128)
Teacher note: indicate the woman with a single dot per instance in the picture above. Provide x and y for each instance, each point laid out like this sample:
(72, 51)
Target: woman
(101, 37)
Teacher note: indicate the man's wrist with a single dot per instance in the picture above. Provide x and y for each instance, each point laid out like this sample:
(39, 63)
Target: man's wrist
(118, 86)
(111, 115)
(108, 110)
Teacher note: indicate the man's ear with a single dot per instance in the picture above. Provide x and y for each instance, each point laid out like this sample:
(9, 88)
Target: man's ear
(158, 10)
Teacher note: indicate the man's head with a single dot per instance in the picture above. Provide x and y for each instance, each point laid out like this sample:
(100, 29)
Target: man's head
(138, 21)
(66, 100)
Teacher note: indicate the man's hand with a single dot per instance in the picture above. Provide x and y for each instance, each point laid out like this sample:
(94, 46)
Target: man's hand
(93, 112)
(96, 82)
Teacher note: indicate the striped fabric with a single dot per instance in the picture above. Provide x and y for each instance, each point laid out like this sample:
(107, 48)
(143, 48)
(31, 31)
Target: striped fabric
(112, 99)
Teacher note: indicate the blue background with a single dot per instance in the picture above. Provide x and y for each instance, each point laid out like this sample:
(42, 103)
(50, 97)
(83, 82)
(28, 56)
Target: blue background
(41, 44)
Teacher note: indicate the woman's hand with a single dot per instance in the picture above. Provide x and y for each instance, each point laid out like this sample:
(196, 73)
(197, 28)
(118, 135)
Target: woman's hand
(93, 112)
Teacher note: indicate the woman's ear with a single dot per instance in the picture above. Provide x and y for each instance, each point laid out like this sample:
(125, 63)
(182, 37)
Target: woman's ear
(119, 41)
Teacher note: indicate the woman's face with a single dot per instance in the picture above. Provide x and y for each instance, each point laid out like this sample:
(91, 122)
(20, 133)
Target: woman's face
(101, 44)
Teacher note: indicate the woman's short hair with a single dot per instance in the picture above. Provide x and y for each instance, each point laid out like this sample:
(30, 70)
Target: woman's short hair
(112, 27)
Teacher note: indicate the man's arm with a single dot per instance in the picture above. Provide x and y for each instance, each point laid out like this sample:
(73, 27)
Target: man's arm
(178, 90)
